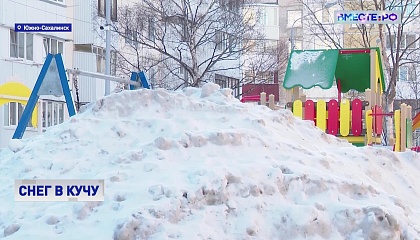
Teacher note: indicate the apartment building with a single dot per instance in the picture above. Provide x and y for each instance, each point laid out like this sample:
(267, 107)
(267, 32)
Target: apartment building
(22, 55)
(89, 47)
(290, 23)
(260, 69)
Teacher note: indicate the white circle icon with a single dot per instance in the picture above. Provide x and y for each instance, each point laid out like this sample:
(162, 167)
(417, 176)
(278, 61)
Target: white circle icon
(18, 27)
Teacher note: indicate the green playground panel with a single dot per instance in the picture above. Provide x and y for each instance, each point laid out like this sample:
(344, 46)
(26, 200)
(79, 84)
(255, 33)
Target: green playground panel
(358, 144)
(353, 70)
(310, 68)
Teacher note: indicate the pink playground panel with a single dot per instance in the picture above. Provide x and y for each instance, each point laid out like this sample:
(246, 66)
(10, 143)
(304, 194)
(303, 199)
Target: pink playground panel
(310, 110)
(378, 119)
(332, 122)
(356, 117)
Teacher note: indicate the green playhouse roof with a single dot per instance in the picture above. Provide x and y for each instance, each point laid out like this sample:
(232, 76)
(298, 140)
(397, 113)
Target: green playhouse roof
(310, 68)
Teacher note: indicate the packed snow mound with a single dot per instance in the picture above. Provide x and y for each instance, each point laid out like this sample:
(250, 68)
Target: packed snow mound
(198, 164)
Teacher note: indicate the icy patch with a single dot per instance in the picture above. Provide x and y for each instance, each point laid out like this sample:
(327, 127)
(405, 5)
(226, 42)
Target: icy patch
(298, 59)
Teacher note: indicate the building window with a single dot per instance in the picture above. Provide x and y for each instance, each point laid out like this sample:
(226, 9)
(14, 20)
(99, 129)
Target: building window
(294, 19)
(100, 60)
(270, 16)
(410, 40)
(52, 113)
(13, 113)
(390, 41)
(219, 40)
(225, 41)
(403, 73)
(407, 40)
(102, 9)
(83, 48)
(228, 82)
(53, 46)
(131, 36)
(29, 46)
(100, 54)
(21, 45)
(151, 29)
(231, 5)
(410, 9)
(183, 73)
(266, 45)
(259, 77)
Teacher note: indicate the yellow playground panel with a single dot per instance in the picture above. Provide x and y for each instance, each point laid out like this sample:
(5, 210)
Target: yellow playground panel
(17, 92)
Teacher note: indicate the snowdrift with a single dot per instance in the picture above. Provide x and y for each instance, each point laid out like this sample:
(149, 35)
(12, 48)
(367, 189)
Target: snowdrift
(198, 164)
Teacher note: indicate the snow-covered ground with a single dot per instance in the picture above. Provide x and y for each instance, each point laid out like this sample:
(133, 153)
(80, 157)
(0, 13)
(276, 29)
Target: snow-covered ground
(199, 164)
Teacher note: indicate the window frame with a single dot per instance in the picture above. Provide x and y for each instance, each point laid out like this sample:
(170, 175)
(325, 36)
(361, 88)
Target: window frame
(17, 111)
(19, 45)
(401, 76)
(403, 44)
(228, 82)
(49, 48)
(270, 12)
(102, 9)
(52, 113)
(294, 20)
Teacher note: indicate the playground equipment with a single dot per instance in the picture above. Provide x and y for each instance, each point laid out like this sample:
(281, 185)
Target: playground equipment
(260, 99)
(52, 80)
(359, 121)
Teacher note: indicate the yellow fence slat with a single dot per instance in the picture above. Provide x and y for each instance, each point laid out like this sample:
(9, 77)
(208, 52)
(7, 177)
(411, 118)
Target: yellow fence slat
(368, 117)
(345, 117)
(297, 109)
(321, 115)
(397, 122)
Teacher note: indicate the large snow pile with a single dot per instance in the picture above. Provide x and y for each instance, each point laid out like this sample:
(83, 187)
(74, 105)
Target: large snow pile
(199, 164)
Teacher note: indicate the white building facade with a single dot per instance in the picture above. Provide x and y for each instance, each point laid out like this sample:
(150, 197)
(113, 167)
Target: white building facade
(89, 47)
(22, 55)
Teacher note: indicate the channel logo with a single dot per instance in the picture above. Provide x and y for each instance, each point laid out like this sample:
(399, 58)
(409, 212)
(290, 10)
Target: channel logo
(367, 17)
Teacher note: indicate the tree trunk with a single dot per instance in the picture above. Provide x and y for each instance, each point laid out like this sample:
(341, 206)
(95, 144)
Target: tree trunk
(389, 121)
(390, 107)
(390, 92)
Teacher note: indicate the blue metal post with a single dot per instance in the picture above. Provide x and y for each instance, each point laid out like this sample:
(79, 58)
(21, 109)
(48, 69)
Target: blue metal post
(33, 99)
(134, 78)
(65, 85)
(143, 80)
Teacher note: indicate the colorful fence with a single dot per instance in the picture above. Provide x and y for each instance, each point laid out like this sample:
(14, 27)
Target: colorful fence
(355, 121)
(403, 124)
(344, 119)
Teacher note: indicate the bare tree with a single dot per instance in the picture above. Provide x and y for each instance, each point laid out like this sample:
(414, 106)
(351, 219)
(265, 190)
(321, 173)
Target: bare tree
(409, 87)
(186, 39)
(265, 59)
